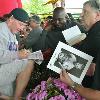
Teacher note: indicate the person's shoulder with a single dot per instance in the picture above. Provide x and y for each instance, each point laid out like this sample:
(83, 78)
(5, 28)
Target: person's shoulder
(2, 24)
(4, 31)
(3, 27)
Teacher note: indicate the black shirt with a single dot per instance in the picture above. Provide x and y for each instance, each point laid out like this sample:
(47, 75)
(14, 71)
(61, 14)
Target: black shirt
(91, 44)
(56, 35)
(96, 81)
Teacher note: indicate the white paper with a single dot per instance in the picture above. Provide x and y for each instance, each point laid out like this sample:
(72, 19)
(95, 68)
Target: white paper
(36, 56)
(38, 61)
(71, 33)
(77, 66)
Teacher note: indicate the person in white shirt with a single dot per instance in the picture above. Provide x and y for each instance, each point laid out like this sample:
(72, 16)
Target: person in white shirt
(14, 65)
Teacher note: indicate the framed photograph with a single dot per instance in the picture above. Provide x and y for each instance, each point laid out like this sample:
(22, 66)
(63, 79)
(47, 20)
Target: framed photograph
(75, 62)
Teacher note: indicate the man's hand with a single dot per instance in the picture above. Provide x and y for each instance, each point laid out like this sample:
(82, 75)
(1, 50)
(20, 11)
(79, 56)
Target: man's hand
(4, 97)
(64, 77)
(23, 54)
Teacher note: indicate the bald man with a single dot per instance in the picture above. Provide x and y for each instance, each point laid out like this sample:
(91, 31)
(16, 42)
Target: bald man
(51, 37)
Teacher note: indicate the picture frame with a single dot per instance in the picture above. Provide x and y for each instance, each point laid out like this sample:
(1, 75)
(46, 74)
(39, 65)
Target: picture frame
(75, 62)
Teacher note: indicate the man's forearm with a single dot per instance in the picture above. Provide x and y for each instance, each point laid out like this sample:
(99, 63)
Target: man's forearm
(88, 93)
(22, 80)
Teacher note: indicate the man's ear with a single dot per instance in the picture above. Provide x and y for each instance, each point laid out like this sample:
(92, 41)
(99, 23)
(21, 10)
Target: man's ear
(11, 19)
(98, 16)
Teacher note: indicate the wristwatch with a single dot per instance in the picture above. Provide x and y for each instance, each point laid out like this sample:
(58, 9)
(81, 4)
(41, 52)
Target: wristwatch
(75, 85)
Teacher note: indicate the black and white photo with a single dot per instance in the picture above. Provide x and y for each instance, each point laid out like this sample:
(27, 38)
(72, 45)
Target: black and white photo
(75, 62)
(71, 62)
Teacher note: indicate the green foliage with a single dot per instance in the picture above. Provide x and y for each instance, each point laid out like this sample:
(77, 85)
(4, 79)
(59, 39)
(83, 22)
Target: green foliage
(37, 7)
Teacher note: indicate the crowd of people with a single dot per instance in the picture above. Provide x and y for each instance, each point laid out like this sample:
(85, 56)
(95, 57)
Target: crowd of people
(15, 67)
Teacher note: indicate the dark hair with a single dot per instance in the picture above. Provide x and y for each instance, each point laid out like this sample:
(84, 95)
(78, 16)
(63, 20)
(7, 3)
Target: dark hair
(2, 19)
(58, 9)
(49, 17)
(6, 16)
(35, 18)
